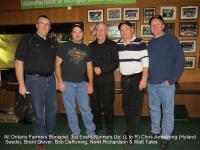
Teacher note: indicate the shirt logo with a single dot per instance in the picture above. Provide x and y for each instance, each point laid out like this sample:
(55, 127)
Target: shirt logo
(77, 55)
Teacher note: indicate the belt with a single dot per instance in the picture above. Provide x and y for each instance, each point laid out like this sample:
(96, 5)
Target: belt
(132, 75)
(40, 74)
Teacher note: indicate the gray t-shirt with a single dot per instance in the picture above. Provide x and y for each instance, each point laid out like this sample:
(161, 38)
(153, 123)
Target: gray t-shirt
(74, 56)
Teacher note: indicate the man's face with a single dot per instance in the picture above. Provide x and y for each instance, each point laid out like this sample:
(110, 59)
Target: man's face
(77, 35)
(157, 27)
(126, 32)
(43, 26)
(101, 32)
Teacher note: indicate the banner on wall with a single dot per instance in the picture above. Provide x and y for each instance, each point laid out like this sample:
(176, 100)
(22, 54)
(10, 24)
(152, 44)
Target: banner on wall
(32, 4)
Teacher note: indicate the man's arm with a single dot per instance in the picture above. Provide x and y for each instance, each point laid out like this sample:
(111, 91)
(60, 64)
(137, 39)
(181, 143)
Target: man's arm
(143, 81)
(90, 77)
(19, 70)
(61, 85)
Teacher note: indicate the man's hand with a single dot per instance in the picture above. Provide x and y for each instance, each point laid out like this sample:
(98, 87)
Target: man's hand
(167, 83)
(22, 90)
(142, 84)
(61, 86)
(97, 70)
(89, 88)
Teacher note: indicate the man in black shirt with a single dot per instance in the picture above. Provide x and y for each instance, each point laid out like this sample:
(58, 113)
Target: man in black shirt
(105, 61)
(35, 56)
(73, 61)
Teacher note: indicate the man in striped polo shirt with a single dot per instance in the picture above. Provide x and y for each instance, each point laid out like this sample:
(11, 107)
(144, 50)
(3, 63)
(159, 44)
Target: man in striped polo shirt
(134, 63)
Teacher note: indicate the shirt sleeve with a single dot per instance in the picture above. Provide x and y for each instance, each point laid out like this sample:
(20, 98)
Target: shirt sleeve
(60, 51)
(22, 48)
(179, 60)
(89, 55)
(145, 57)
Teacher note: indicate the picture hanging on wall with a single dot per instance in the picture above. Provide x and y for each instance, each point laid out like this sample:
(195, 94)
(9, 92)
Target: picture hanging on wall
(148, 13)
(168, 13)
(131, 14)
(114, 14)
(188, 29)
(189, 63)
(169, 27)
(189, 46)
(95, 15)
(189, 12)
(146, 31)
(113, 31)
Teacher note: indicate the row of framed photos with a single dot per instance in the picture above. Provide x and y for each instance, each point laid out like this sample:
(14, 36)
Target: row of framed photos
(168, 13)
(186, 29)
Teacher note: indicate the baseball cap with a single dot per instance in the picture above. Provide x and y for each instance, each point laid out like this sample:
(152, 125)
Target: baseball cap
(77, 25)
(156, 17)
(126, 23)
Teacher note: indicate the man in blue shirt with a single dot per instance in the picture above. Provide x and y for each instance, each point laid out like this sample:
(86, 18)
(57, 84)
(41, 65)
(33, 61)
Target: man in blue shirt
(166, 62)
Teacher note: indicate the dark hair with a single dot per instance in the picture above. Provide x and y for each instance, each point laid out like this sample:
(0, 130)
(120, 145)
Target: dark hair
(126, 23)
(159, 17)
(43, 16)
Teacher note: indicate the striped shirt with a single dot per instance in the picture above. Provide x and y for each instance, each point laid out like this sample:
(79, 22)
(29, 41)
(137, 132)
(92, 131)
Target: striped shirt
(133, 57)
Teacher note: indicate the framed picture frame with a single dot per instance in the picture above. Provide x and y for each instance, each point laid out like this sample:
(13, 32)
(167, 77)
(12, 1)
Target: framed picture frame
(169, 27)
(95, 15)
(189, 46)
(189, 62)
(146, 31)
(114, 14)
(189, 12)
(113, 31)
(148, 13)
(168, 13)
(188, 29)
(131, 14)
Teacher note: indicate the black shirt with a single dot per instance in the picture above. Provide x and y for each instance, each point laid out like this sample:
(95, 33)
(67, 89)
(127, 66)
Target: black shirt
(74, 57)
(38, 54)
(105, 55)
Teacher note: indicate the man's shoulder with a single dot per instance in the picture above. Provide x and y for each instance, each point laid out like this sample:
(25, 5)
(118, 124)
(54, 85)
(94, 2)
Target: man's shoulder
(137, 39)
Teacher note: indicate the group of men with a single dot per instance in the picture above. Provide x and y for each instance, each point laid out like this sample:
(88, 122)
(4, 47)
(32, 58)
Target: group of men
(81, 70)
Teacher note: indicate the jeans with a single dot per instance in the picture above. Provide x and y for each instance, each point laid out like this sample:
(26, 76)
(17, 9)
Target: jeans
(103, 95)
(160, 94)
(43, 94)
(79, 91)
(132, 102)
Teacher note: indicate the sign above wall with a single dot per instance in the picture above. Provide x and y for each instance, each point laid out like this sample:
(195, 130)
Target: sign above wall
(32, 4)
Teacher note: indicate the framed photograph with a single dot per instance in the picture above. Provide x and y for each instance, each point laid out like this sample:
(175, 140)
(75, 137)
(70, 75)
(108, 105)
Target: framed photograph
(189, 63)
(168, 13)
(114, 14)
(131, 14)
(188, 29)
(113, 31)
(95, 15)
(148, 13)
(189, 12)
(189, 46)
(146, 31)
(169, 27)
